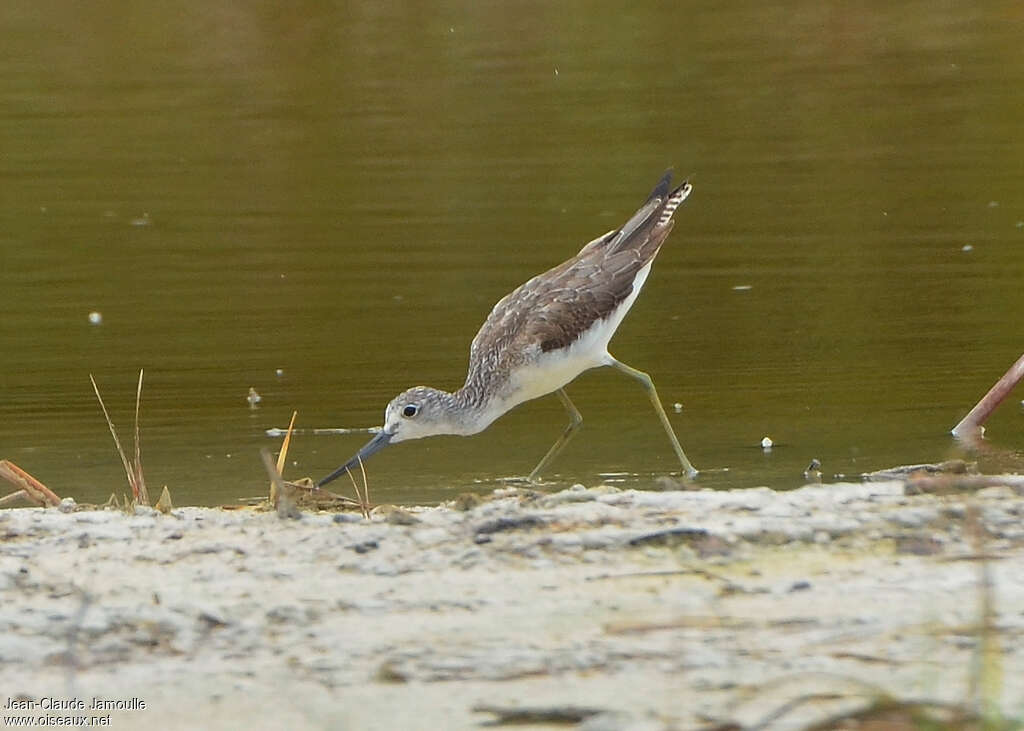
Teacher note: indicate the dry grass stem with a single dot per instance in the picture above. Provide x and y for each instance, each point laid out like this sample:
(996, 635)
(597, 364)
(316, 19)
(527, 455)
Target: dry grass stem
(143, 494)
(364, 497)
(366, 488)
(135, 481)
(281, 457)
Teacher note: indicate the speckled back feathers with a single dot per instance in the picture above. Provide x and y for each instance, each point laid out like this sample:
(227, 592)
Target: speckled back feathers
(552, 310)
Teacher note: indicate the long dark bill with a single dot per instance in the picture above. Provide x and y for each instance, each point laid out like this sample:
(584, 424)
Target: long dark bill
(374, 445)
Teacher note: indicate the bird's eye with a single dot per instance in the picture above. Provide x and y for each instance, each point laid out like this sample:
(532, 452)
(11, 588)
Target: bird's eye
(410, 410)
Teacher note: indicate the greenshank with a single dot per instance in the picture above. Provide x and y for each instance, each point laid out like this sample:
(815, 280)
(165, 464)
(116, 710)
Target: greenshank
(541, 336)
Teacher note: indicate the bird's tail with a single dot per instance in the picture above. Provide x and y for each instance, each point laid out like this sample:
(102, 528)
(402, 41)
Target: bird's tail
(654, 219)
(672, 202)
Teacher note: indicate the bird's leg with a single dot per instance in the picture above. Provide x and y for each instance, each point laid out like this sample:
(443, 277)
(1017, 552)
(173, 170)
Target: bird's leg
(575, 419)
(645, 380)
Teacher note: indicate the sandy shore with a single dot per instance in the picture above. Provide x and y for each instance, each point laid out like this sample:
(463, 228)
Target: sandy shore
(628, 610)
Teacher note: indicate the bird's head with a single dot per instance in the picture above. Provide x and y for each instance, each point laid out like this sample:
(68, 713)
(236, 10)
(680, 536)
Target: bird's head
(413, 414)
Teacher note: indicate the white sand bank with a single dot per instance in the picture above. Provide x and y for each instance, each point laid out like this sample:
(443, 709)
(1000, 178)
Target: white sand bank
(661, 609)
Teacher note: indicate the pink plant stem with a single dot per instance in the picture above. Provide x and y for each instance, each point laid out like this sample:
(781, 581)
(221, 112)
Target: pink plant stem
(33, 489)
(971, 424)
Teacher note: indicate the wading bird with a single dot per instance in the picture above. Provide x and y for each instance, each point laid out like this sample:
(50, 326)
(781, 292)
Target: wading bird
(541, 336)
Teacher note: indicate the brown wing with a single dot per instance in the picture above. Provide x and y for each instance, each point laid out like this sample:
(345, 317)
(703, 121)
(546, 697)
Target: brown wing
(553, 309)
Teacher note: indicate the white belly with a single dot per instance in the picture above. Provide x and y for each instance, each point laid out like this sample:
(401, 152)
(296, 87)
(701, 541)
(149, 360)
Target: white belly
(554, 369)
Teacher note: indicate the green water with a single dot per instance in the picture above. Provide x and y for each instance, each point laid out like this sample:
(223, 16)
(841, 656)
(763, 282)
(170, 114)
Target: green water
(343, 192)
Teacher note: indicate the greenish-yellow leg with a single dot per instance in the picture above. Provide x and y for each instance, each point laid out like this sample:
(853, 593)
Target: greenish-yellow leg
(575, 419)
(645, 380)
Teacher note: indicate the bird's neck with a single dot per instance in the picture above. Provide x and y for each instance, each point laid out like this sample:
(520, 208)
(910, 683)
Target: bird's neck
(471, 408)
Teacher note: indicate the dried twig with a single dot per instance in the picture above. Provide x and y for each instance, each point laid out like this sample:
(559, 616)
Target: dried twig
(29, 487)
(13, 497)
(970, 425)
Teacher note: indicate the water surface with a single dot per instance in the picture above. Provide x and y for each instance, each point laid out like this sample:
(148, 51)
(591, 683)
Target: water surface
(343, 192)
